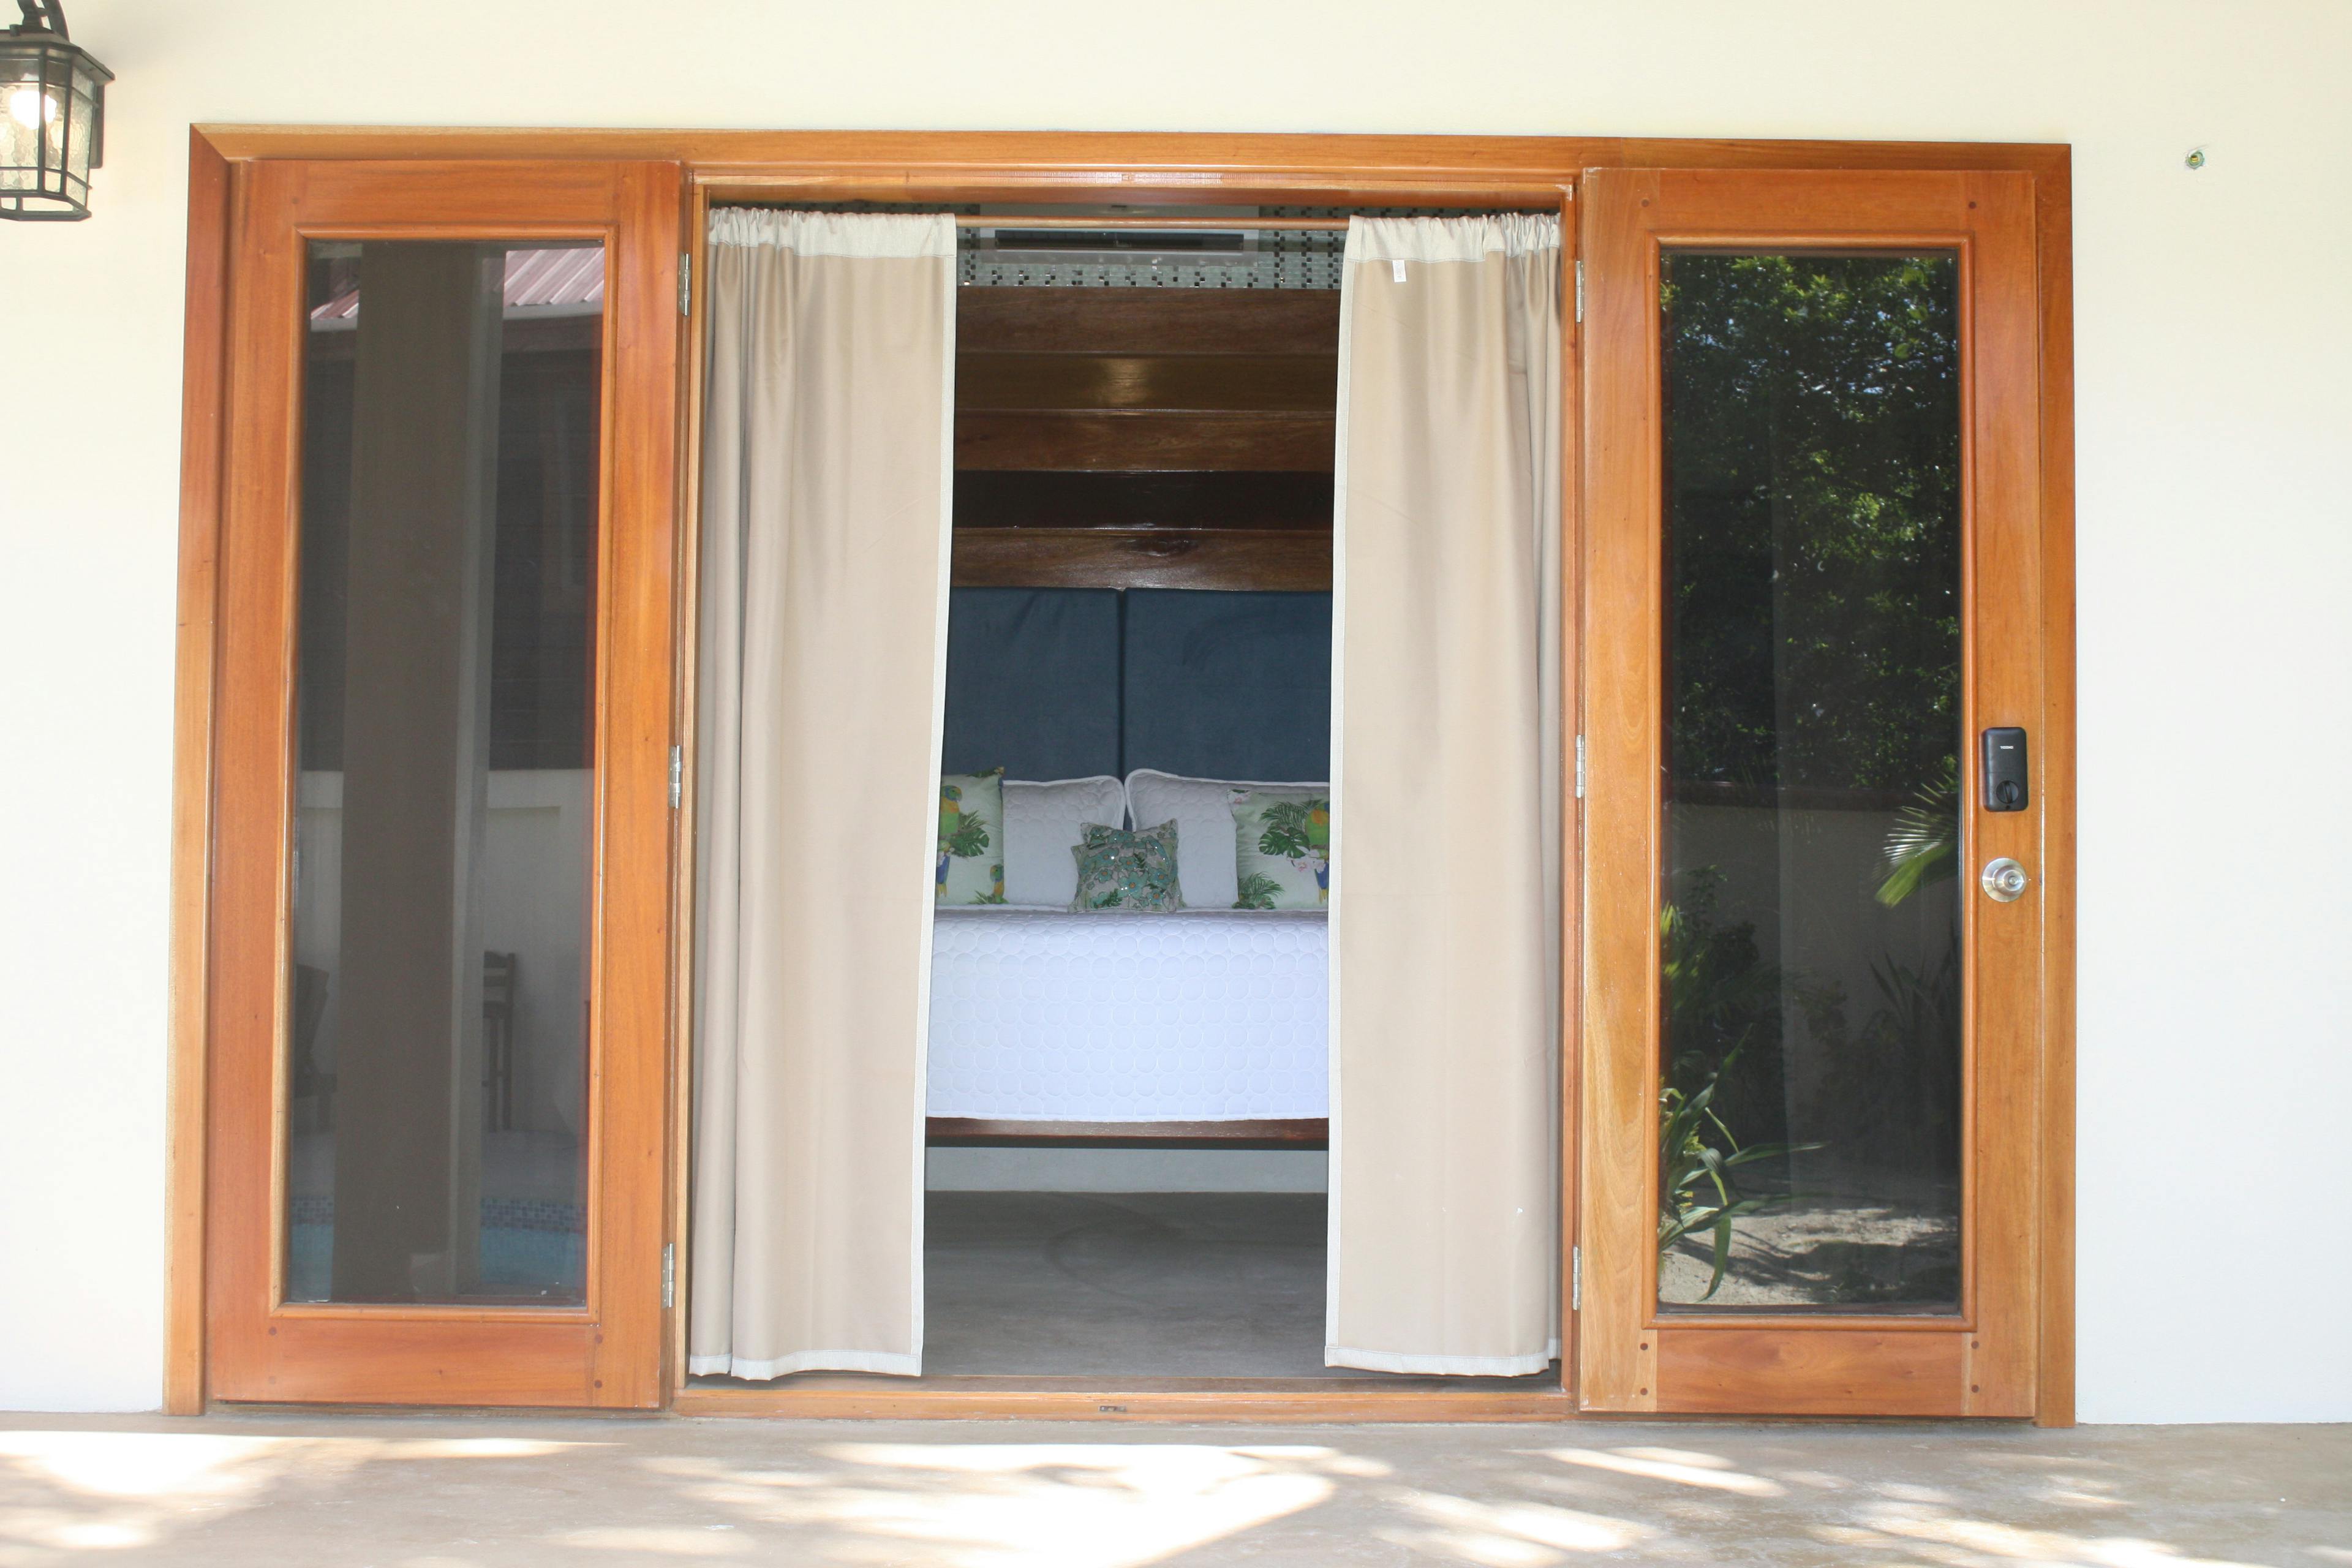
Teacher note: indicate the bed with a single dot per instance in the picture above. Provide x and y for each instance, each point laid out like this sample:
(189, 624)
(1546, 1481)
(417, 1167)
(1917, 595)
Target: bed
(1205, 1026)
(1198, 1027)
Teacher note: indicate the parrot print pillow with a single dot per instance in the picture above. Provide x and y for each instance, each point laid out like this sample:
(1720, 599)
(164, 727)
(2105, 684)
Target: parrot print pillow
(971, 838)
(1283, 840)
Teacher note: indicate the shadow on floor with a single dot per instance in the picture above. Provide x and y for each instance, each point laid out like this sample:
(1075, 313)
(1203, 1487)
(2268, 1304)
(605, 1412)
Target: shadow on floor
(479, 1492)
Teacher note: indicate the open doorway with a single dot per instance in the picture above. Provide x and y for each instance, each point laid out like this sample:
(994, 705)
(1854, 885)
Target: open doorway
(1126, 1047)
(1128, 1088)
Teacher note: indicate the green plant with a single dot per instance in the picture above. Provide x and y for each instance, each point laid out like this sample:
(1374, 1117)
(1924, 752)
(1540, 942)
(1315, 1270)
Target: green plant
(1257, 892)
(1720, 997)
(1895, 1082)
(1723, 1008)
(1813, 407)
(1689, 1161)
(1921, 1004)
(1296, 829)
(1923, 848)
(969, 837)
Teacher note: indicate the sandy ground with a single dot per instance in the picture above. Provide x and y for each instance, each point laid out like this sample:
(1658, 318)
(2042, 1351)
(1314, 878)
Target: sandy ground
(1845, 1254)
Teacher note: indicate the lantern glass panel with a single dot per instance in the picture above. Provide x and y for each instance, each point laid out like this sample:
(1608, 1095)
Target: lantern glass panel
(52, 96)
(81, 130)
(28, 114)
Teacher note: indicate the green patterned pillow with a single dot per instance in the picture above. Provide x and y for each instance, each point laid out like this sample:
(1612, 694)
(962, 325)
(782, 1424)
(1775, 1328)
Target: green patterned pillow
(971, 838)
(1128, 869)
(1282, 841)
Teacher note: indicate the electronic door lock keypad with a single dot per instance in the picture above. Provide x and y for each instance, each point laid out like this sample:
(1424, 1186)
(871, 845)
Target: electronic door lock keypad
(2005, 771)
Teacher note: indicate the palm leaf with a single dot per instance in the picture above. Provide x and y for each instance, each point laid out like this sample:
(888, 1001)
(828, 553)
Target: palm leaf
(1257, 892)
(1923, 846)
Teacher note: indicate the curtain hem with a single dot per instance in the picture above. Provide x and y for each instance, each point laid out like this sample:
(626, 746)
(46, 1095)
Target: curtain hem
(942, 225)
(885, 1362)
(1443, 1365)
(1335, 867)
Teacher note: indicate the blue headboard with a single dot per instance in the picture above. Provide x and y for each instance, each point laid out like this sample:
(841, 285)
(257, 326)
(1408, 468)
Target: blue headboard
(1228, 686)
(1032, 682)
(1065, 682)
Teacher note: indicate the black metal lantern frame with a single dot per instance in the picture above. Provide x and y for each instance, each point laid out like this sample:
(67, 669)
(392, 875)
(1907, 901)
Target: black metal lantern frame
(52, 116)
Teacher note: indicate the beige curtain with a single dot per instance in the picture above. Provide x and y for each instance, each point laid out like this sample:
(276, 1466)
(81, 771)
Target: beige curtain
(1446, 787)
(826, 470)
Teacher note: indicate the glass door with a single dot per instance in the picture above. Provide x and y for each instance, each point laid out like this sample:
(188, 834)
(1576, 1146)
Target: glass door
(1813, 974)
(441, 881)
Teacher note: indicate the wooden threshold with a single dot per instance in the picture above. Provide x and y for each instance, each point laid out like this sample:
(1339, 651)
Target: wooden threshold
(1303, 1399)
(969, 1131)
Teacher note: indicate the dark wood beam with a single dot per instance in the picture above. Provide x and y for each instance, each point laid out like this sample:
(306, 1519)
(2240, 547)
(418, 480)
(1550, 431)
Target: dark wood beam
(1148, 320)
(1140, 443)
(1293, 560)
(1207, 501)
(1250, 383)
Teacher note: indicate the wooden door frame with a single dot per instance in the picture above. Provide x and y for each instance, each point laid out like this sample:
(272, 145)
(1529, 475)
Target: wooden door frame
(1640, 1356)
(606, 1350)
(1439, 172)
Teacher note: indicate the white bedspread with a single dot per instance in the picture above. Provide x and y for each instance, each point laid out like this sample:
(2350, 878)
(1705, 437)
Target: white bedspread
(1202, 1016)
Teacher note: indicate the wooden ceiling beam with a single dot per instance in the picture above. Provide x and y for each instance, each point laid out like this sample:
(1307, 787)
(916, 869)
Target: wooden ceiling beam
(1255, 560)
(1145, 443)
(1086, 382)
(1297, 501)
(1147, 321)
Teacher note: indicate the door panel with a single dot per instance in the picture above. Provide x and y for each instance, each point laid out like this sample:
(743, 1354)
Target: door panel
(440, 885)
(1811, 1041)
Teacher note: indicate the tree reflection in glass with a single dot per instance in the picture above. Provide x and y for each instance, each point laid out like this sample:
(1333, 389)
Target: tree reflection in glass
(1810, 1107)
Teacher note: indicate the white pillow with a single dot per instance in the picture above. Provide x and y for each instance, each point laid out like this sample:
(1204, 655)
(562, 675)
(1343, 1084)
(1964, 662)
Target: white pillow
(1043, 822)
(1208, 854)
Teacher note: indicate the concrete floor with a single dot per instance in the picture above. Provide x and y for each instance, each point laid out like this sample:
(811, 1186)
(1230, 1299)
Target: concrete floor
(495, 1493)
(1124, 1284)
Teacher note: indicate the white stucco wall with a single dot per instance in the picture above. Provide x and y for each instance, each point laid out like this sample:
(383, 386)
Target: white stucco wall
(2214, 400)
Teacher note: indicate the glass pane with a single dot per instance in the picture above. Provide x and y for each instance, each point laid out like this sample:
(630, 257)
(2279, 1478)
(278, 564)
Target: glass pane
(1810, 1116)
(437, 1007)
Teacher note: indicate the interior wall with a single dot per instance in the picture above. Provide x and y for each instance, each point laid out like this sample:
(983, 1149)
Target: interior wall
(2214, 326)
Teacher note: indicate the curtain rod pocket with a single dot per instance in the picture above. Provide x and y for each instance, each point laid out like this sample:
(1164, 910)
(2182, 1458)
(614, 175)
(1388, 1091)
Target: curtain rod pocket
(1184, 222)
(1141, 221)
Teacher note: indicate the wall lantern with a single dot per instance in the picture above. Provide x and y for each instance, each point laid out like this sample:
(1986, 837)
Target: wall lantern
(52, 113)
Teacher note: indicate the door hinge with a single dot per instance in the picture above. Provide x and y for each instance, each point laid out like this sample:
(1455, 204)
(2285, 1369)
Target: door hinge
(1579, 290)
(1580, 767)
(1575, 1280)
(669, 1275)
(686, 283)
(677, 777)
